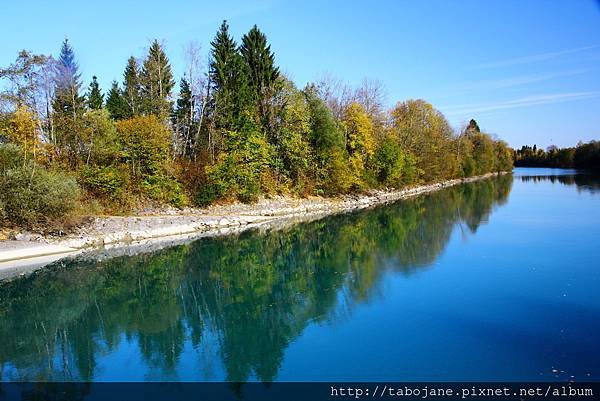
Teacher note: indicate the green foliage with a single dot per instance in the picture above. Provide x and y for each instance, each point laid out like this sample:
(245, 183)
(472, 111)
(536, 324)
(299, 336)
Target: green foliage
(95, 98)
(184, 121)
(422, 130)
(240, 172)
(145, 143)
(105, 181)
(392, 166)
(229, 78)
(156, 82)
(164, 189)
(116, 103)
(132, 95)
(293, 134)
(262, 75)
(30, 194)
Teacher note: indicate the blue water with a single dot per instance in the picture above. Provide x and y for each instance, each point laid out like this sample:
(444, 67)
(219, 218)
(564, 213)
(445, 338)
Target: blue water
(493, 280)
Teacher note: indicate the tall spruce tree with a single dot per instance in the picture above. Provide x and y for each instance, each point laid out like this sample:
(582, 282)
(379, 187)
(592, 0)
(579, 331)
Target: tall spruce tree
(131, 86)
(116, 103)
(67, 84)
(95, 98)
(229, 81)
(262, 73)
(184, 120)
(156, 82)
(67, 107)
(260, 60)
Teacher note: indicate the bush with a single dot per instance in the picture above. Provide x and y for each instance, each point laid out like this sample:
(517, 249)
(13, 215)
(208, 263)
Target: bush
(240, 172)
(104, 181)
(32, 195)
(164, 189)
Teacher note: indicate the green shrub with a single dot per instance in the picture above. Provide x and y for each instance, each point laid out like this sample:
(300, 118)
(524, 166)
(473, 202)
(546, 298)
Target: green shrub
(164, 189)
(104, 181)
(32, 195)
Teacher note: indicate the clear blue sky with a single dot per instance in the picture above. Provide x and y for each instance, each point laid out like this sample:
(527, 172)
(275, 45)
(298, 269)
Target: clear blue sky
(527, 71)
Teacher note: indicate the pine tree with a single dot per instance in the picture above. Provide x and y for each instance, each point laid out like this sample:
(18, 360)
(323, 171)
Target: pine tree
(131, 87)
(67, 107)
(184, 121)
(116, 104)
(473, 127)
(156, 82)
(263, 74)
(67, 84)
(95, 98)
(260, 61)
(229, 82)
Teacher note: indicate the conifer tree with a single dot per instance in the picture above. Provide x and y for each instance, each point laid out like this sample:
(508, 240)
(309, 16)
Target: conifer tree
(95, 98)
(184, 121)
(67, 84)
(116, 104)
(156, 82)
(131, 87)
(262, 73)
(229, 80)
(67, 106)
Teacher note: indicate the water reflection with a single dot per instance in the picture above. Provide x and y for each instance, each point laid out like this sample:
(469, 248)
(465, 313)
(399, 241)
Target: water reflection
(584, 181)
(231, 304)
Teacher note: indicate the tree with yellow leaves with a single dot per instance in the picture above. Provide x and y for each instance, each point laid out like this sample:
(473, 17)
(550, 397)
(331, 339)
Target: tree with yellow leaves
(360, 140)
(21, 128)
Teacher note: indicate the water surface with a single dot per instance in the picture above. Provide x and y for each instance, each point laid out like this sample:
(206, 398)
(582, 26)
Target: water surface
(493, 280)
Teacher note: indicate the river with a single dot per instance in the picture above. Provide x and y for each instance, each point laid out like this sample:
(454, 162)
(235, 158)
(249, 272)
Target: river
(492, 280)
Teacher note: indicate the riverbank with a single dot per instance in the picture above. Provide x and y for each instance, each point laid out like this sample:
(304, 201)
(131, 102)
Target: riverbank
(172, 226)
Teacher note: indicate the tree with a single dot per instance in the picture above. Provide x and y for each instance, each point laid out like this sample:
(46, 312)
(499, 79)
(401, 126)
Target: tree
(145, 142)
(116, 104)
(156, 82)
(21, 129)
(229, 81)
(424, 131)
(131, 87)
(473, 127)
(68, 105)
(95, 98)
(184, 120)
(262, 73)
(360, 140)
(333, 175)
(67, 80)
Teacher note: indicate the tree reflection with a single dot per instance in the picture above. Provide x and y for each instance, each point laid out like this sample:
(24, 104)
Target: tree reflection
(252, 293)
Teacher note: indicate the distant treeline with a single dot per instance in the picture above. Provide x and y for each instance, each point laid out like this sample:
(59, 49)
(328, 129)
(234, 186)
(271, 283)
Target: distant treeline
(237, 130)
(583, 156)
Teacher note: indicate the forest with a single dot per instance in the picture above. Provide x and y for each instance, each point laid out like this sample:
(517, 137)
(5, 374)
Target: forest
(583, 156)
(236, 129)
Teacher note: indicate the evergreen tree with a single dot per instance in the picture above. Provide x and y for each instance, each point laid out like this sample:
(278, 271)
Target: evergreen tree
(68, 107)
(95, 98)
(184, 121)
(156, 82)
(473, 127)
(229, 80)
(131, 87)
(262, 73)
(67, 84)
(116, 104)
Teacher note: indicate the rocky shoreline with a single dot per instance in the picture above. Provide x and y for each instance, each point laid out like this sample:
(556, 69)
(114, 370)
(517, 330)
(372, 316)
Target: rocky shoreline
(138, 232)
